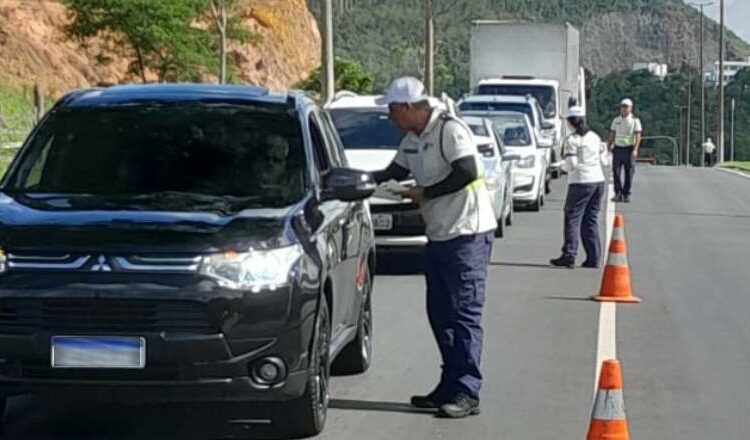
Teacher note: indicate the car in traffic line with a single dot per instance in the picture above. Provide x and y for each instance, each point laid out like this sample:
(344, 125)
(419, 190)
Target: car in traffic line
(542, 130)
(530, 170)
(498, 169)
(169, 243)
(371, 141)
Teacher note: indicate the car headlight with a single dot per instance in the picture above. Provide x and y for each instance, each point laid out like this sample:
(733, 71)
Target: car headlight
(3, 261)
(526, 162)
(254, 270)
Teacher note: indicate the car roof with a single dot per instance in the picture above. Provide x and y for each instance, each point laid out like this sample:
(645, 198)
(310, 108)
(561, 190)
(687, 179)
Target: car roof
(346, 99)
(518, 80)
(178, 93)
(474, 119)
(500, 98)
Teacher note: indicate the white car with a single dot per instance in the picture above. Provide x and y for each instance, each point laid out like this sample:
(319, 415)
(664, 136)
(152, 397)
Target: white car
(371, 141)
(530, 170)
(544, 133)
(498, 169)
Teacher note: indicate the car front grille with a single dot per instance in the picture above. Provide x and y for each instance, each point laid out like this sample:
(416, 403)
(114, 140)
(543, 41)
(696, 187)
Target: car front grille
(28, 316)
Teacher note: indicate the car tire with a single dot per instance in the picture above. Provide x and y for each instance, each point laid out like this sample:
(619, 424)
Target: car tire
(537, 205)
(306, 415)
(509, 217)
(355, 358)
(500, 231)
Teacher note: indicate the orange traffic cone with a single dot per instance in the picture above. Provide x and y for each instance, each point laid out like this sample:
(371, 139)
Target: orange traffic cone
(608, 419)
(616, 281)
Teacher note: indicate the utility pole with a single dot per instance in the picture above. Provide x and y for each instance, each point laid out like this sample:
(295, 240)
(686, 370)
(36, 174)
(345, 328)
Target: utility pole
(328, 55)
(731, 154)
(703, 82)
(680, 134)
(429, 46)
(721, 83)
(689, 121)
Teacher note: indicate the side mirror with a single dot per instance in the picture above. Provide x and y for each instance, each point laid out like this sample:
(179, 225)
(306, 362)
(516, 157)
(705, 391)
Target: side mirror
(347, 185)
(547, 126)
(511, 157)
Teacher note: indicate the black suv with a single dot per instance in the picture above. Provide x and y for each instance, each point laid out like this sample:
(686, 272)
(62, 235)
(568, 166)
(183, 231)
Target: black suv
(185, 243)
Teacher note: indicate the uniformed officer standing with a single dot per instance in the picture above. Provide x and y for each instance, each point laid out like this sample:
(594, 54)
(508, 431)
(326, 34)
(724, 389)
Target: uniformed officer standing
(585, 159)
(708, 151)
(439, 152)
(625, 135)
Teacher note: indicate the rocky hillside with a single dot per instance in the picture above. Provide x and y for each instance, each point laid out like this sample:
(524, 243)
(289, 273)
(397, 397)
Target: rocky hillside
(34, 47)
(385, 35)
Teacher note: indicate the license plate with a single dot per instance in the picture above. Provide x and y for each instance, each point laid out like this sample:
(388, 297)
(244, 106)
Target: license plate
(382, 222)
(98, 352)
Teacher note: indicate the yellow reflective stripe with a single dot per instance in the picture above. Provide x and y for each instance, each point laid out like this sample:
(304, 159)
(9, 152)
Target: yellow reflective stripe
(479, 183)
(629, 138)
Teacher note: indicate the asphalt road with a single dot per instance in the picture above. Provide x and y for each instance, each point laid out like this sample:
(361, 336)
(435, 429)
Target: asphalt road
(685, 350)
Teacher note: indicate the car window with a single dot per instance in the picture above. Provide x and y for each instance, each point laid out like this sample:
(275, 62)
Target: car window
(214, 150)
(545, 95)
(322, 160)
(335, 148)
(513, 131)
(366, 128)
(479, 129)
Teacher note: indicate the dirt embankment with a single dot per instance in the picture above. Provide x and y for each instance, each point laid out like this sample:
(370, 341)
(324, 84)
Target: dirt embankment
(35, 49)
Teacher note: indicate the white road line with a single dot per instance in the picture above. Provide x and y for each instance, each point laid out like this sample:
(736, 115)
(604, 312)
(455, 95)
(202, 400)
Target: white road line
(735, 172)
(606, 340)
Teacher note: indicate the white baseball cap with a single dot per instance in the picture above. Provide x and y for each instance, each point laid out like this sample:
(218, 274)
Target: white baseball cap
(404, 90)
(576, 112)
(627, 102)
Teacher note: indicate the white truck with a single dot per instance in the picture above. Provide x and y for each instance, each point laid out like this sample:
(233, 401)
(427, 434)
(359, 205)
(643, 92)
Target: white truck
(538, 59)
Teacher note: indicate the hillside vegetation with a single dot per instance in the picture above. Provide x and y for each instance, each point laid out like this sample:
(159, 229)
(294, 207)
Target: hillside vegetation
(386, 35)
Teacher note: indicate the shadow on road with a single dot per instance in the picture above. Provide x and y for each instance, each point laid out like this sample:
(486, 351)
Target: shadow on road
(361, 405)
(569, 298)
(528, 265)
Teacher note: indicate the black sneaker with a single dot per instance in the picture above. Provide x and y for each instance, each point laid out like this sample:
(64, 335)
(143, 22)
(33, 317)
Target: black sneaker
(431, 401)
(459, 407)
(617, 199)
(626, 199)
(563, 262)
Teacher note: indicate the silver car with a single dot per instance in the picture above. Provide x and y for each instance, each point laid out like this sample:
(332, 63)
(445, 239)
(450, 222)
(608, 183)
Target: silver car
(498, 169)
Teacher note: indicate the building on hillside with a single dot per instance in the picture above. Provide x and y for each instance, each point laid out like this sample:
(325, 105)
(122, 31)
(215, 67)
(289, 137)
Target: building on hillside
(655, 69)
(731, 68)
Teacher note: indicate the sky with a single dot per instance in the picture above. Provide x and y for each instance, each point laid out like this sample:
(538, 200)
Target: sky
(737, 15)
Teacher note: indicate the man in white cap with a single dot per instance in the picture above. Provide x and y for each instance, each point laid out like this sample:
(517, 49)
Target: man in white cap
(625, 141)
(439, 153)
(585, 158)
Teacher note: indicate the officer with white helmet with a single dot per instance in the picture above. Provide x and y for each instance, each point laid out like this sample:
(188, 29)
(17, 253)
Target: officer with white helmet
(625, 141)
(585, 159)
(439, 153)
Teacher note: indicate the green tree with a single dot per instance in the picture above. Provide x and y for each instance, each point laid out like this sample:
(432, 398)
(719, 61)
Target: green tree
(225, 17)
(159, 35)
(350, 76)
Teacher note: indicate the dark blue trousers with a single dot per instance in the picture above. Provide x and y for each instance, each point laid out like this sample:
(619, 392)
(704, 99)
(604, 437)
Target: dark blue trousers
(623, 158)
(582, 208)
(456, 273)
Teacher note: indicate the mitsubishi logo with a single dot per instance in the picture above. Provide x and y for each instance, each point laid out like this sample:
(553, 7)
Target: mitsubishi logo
(101, 265)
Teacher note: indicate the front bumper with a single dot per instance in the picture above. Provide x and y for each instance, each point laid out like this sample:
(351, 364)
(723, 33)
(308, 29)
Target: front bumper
(526, 189)
(196, 350)
(407, 226)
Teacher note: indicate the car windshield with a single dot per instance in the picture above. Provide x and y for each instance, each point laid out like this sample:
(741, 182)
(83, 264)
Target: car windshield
(498, 107)
(545, 95)
(366, 129)
(237, 151)
(512, 129)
